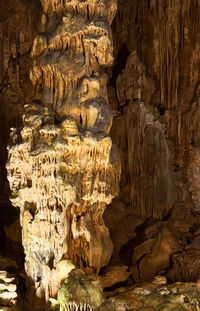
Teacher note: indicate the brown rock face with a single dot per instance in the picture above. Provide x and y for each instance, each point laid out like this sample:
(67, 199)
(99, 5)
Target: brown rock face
(156, 78)
(155, 103)
(62, 166)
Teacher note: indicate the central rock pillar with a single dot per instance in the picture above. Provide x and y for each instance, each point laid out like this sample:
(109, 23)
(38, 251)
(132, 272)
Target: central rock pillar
(62, 167)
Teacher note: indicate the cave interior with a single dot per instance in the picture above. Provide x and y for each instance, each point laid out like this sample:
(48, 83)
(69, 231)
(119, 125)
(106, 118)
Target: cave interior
(99, 155)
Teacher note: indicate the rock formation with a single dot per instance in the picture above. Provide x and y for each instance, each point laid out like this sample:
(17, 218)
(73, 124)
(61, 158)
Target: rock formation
(79, 293)
(156, 295)
(154, 92)
(62, 166)
(77, 104)
(8, 284)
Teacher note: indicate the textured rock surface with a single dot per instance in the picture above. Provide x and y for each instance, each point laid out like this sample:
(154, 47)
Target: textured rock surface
(154, 91)
(157, 296)
(62, 167)
(8, 284)
(112, 276)
(79, 293)
(16, 36)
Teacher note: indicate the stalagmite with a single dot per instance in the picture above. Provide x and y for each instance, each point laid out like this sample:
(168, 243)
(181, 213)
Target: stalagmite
(62, 172)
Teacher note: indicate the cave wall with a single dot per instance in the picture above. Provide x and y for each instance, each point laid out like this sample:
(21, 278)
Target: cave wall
(16, 37)
(158, 44)
(19, 22)
(154, 93)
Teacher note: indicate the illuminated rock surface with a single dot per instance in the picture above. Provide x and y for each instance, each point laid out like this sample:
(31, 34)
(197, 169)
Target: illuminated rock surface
(62, 167)
(8, 284)
(149, 296)
(79, 96)
(79, 293)
(152, 296)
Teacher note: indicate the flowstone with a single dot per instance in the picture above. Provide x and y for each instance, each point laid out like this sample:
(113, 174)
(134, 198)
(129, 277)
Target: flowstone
(62, 166)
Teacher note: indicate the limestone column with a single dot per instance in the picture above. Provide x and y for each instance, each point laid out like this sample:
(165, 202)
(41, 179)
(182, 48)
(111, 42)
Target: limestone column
(62, 166)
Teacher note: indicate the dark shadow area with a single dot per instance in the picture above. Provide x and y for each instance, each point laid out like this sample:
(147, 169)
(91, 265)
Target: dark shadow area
(120, 63)
(126, 251)
(8, 213)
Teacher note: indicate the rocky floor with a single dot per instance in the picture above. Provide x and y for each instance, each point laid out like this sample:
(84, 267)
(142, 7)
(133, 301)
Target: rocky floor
(156, 296)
